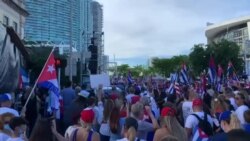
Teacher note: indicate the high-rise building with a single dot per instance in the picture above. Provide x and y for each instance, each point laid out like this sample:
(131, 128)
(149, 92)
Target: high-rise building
(13, 13)
(52, 21)
(236, 30)
(86, 21)
(98, 33)
(97, 11)
(105, 63)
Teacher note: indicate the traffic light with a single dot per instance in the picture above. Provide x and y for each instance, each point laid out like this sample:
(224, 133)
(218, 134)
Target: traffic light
(60, 63)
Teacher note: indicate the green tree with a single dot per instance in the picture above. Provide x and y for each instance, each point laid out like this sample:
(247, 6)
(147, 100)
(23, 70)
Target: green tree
(123, 69)
(137, 70)
(198, 58)
(161, 66)
(223, 52)
(166, 66)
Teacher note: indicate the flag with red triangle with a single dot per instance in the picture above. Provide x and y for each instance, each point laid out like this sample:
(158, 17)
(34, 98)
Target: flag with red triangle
(48, 78)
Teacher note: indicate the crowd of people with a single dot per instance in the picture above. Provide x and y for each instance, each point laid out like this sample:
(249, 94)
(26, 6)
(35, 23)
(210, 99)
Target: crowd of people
(140, 112)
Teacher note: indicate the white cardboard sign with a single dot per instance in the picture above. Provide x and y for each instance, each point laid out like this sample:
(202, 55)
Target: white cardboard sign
(96, 80)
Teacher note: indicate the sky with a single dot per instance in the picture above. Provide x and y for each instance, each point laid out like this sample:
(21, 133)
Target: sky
(136, 30)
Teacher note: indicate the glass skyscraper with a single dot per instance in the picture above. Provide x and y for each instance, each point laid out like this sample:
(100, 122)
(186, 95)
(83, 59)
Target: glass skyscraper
(49, 21)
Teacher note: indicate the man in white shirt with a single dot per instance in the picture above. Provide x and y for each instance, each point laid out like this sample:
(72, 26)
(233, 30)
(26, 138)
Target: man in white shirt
(231, 97)
(5, 101)
(130, 95)
(187, 104)
(240, 101)
(192, 122)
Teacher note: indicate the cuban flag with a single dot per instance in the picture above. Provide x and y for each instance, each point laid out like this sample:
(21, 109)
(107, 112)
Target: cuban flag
(212, 71)
(171, 88)
(24, 77)
(204, 82)
(130, 80)
(183, 74)
(219, 79)
(199, 135)
(177, 88)
(48, 78)
(220, 74)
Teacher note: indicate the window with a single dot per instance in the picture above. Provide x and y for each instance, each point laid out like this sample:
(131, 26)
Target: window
(15, 26)
(237, 33)
(5, 21)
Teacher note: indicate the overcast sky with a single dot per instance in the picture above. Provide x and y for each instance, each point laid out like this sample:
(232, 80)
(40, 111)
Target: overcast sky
(136, 30)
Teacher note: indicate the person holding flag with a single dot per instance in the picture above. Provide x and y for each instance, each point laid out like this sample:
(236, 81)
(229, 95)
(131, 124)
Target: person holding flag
(212, 71)
(229, 70)
(231, 74)
(219, 78)
(48, 79)
(173, 80)
(220, 73)
(184, 74)
(130, 79)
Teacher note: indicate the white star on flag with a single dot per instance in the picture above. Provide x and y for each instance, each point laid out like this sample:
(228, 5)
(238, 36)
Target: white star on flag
(51, 68)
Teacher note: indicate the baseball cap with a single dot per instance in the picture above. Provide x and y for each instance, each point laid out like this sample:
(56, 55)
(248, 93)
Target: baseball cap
(5, 97)
(225, 115)
(87, 115)
(197, 102)
(113, 96)
(84, 93)
(167, 111)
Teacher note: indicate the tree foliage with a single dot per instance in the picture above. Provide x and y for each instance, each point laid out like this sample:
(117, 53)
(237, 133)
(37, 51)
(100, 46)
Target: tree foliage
(165, 66)
(123, 69)
(136, 71)
(223, 52)
(198, 58)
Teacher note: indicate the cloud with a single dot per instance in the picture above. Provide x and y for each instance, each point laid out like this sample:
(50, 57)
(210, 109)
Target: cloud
(147, 28)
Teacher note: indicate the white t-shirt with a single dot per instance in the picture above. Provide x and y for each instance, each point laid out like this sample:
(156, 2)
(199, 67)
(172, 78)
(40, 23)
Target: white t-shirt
(105, 129)
(232, 101)
(240, 113)
(4, 137)
(192, 121)
(4, 110)
(187, 109)
(15, 139)
(100, 109)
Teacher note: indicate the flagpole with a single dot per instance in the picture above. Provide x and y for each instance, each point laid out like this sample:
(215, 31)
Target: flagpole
(32, 91)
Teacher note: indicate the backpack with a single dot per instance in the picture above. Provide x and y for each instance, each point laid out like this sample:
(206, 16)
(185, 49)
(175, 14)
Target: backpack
(204, 125)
